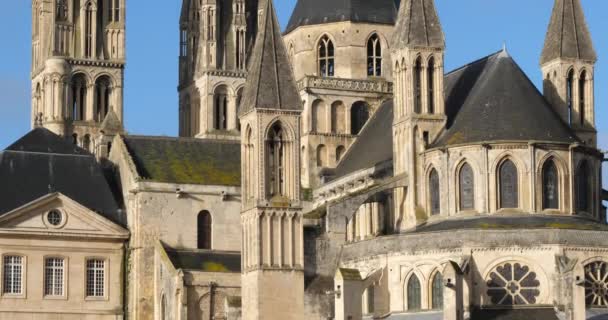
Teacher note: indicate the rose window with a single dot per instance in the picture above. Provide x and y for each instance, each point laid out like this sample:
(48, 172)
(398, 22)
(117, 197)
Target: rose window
(596, 287)
(513, 284)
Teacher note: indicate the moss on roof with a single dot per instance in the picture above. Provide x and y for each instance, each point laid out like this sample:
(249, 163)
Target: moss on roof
(206, 261)
(350, 274)
(186, 161)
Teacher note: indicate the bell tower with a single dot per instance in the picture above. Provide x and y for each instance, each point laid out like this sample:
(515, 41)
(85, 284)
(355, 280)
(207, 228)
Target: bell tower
(568, 65)
(78, 59)
(272, 223)
(419, 110)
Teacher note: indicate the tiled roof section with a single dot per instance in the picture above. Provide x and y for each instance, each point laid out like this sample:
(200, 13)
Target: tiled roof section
(374, 145)
(270, 80)
(186, 161)
(493, 100)
(205, 261)
(568, 35)
(312, 12)
(44, 141)
(515, 314)
(418, 25)
(28, 176)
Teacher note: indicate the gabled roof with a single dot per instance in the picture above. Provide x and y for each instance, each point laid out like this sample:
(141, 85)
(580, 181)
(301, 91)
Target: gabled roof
(568, 35)
(44, 141)
(311, 12)
(418, 25)
(492, 99)
(186, 161)
(270, 81)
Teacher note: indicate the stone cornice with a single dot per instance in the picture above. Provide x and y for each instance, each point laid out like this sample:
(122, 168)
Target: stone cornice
(358, 85)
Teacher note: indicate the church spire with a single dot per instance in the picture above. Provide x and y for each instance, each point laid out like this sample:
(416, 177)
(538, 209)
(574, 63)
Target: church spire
(270, 81)
(418, 25)
(568, 35)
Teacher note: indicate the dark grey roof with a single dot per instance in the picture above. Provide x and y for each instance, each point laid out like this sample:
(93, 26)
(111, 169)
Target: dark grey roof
(515, 314)
(492, 99)
(597, 314)
(44, 141)
(568, 35)
(205, 261)
(28, 175)
(186, 161)
(270, 80)
(374, 145)
(311, 12)
(418, 25)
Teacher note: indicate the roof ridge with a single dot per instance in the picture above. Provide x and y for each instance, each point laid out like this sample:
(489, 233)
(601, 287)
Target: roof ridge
(51, 153)
(190, 139)
(473, 62)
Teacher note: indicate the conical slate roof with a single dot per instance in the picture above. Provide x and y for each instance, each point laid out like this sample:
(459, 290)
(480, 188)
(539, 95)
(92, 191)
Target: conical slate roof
(418, 25)
(312, 12)
(270, 80)
(568, 35)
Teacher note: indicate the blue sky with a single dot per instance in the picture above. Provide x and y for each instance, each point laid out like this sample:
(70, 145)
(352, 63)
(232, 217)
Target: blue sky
(473, 28)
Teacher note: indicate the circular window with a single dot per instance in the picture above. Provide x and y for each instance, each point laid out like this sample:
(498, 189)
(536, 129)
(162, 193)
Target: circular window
(596, 285)
(513, 284)
(54, 218)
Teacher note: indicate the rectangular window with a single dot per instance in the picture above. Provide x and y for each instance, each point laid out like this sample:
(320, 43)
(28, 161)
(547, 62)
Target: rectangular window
(13, 275)
(53, 277)
(96, 270)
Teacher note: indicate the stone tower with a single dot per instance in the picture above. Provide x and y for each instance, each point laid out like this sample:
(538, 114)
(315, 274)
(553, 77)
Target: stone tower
(78, 59)
(568, 62)
(215, 39)
(419, 112)
(273, 259)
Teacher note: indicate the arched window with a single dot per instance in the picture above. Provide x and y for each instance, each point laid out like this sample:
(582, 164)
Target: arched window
(414, 295)
(62, 10)
(220, 108)
(340, 153)
(374, 56)
(338, 117)
(418, 86)
(292, 54)
(319, 115)
(276, 161)
(102, 96)
(359, 115)
(434, 192)
(321, 156)
(86, 142)
(431, 85)
(570, 94)
(466, 184)
(250, 162)
(508, 185)
(326, 57)
(187, 115)
(239, 97)
(204, 229)
(582, 96)
(583, 187)
(89, 29)
(240, 49)
(75, 139)
(437, 292)
(79, 97)
(550, 186)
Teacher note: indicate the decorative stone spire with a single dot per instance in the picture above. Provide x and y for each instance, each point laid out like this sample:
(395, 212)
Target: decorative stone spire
(270, 81)
(568, 35)
(418, 25)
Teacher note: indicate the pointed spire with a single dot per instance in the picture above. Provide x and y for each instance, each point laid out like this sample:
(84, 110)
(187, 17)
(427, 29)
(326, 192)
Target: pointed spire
(418, 25)
(568, 35)
(270, 80)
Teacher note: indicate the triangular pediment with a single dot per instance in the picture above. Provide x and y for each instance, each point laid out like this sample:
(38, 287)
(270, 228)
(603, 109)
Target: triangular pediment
(56, 215)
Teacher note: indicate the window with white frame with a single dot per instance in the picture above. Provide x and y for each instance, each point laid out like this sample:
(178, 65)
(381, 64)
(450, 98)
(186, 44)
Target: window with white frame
(96, 269)
(13, 275)
(53, 276)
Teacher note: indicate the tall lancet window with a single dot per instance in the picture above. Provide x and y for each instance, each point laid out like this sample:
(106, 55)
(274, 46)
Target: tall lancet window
(508, 185)
(570, 94)
(79, 97)
(89, 29)
(466, 184)
(240, 49)
(414, 294)
(326, 57)
(582, 97)
(276, 161)
(374, 56)
(583, 188)
(550, 186)
(220, 112)
(62, 10)
(418, 86)
(431, 85)
(434, 192)
(103, 94)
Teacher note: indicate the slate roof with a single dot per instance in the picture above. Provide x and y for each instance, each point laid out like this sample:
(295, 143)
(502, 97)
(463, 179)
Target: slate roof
(374, 145)
(270, 81)
(186, 161)
(492, 99)
(418, 25)
(515, 314)
(205, 261)
(41, 163)
(312, 12)
(568, 35)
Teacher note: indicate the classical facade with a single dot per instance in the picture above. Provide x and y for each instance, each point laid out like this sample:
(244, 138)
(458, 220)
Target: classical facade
(331, 171)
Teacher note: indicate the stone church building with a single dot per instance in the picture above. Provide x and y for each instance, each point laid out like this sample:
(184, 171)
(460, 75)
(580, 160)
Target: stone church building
(330, 170)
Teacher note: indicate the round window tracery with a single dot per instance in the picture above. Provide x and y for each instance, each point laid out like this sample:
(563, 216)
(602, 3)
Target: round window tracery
(54, 218)
(513, 284)
(596, 285)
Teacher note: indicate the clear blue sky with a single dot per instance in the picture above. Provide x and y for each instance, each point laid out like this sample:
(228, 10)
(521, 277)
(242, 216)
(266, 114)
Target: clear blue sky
(473, 28)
